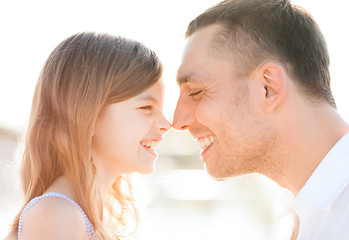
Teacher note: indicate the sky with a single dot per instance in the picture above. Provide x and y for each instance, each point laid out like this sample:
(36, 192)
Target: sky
(32, 29)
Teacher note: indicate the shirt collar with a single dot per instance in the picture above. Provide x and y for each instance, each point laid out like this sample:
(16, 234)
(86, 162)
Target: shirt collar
(329, 179)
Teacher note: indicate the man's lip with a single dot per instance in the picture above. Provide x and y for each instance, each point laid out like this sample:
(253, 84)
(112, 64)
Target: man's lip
(203, 152)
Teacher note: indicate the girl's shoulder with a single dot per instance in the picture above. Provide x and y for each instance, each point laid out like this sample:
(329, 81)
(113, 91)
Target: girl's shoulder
(53, 218)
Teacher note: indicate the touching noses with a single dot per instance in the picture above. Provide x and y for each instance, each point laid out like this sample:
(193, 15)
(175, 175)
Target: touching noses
(183, 116)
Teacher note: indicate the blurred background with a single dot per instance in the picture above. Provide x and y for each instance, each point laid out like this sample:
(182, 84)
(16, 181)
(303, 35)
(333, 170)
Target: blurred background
(185, 202)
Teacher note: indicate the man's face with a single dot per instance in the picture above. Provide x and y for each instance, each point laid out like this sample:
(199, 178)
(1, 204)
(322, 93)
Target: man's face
(221, 111)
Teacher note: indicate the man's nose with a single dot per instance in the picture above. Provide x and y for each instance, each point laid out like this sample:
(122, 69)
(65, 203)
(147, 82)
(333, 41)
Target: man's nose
(183, 116)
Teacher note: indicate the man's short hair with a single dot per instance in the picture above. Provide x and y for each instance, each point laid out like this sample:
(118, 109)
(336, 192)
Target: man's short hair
(257, 31)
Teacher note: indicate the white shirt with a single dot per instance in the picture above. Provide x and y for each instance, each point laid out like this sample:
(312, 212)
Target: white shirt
(285, 214)
(322, 205)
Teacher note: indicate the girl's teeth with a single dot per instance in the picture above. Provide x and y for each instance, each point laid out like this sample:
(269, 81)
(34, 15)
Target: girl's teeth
(155, 145)
(151, 145)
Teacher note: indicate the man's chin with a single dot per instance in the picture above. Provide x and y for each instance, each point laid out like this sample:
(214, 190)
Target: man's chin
(217, 174)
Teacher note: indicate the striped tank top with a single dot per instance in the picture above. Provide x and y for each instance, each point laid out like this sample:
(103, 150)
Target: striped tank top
(35, 200)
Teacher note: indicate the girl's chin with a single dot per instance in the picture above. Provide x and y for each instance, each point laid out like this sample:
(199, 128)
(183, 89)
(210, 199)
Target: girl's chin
(147, 169)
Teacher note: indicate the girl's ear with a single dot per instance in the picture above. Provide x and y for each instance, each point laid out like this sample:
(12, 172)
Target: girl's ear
(274, 80)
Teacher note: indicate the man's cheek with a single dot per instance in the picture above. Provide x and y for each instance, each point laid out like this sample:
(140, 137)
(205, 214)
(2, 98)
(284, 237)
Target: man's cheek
(204, 114)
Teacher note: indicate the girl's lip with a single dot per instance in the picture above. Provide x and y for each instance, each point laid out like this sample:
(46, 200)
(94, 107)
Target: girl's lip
(157, 139)
(151, 151)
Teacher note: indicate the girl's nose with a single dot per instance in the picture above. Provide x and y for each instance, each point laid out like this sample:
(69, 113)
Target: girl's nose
(165, 125)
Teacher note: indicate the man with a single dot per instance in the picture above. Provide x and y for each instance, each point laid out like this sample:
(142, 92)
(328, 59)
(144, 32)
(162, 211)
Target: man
(255, 94)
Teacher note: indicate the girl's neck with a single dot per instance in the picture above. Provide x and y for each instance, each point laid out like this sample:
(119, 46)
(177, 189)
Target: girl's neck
(61, 185)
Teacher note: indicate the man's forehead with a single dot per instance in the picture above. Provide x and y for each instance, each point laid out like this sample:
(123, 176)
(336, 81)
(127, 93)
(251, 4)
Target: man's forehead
(194, 62)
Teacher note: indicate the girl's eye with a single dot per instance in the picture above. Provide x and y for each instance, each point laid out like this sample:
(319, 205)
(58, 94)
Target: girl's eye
(147, 108)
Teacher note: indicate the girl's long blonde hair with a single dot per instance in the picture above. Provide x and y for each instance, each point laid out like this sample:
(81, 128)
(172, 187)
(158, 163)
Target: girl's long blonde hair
(84, 73)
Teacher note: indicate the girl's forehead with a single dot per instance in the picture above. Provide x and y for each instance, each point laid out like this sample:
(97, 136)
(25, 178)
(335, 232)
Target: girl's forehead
(154, 93)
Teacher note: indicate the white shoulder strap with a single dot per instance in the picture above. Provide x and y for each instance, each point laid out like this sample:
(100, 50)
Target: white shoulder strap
(89, 227)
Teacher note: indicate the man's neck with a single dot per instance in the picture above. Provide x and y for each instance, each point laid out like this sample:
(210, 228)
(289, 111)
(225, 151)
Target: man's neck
(307, 137)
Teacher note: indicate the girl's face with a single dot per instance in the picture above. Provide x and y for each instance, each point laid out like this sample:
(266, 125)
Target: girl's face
(127, 133)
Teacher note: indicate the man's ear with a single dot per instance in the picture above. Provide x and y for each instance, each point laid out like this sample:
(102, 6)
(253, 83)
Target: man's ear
(273, 77)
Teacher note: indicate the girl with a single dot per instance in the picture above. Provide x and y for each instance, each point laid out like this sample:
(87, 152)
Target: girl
(96, 116)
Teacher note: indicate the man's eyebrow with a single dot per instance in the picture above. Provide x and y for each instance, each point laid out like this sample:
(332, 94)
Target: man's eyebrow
(186, 79)
(182, 80)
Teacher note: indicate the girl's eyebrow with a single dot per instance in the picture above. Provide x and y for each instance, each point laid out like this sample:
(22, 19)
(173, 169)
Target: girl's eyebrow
(147, 98)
